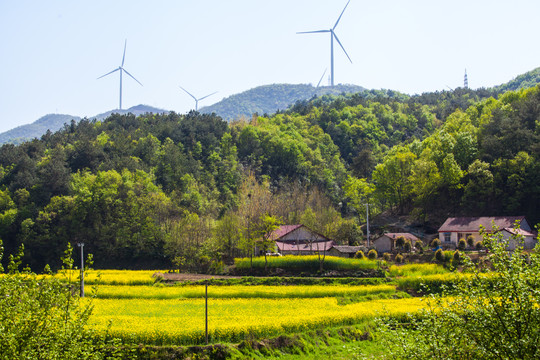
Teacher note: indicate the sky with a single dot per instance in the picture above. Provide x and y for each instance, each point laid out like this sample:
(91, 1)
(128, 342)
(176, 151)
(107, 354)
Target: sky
(52, 52)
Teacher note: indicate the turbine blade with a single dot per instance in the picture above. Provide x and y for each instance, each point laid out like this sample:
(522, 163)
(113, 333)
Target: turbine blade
(124, 56)
(109, 73)
(319, 83)
(339, 42)
(312, 32)
(188, 93)
(339, 18)
(132, 77)
(204, 97)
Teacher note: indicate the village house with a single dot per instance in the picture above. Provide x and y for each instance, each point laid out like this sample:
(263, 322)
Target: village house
(387, 241)
(345, 250)
(457, 228)
(300, 240)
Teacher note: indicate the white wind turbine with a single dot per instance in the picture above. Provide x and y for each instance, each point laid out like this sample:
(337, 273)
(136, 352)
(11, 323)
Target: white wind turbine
(332, 36)
(122, 70)
(197, 100)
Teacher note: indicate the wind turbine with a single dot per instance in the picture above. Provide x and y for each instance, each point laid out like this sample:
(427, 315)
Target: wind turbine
(332, 36)
(197, 100)
(121, 69)
(319, 83)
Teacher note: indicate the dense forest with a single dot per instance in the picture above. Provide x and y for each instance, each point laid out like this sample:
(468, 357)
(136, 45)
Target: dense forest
(192, 191)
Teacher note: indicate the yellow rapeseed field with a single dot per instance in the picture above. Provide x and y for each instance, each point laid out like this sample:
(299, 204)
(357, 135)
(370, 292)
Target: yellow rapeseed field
(239, 291)
(181, 321)
(113, 277)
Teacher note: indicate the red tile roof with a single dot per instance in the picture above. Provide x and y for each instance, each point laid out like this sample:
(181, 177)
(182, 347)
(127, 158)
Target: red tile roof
(284, 230)
(518, 232)
(320, 246)
(472, 224)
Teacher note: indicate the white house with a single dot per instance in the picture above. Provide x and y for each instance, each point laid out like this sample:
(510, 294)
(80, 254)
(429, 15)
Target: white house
(300, 240)
(457, 228)
(387, 241)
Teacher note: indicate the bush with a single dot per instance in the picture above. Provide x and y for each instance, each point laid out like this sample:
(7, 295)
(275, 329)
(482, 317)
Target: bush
(479, 245)
(399, 258)
(407, 247)
(462, 244)
(462, 322)
(470, 241)
(42, 318)
(435, 242)
(359, 254)
(372, 254)
(457, 256)
(439, 255)
(400, 241)
(419, 245)
(386, 257)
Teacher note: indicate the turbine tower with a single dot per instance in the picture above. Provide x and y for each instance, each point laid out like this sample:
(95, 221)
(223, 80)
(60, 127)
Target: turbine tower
(122, 70)
(319, 83)
(332, 36)
(465, 80)
(197, 100)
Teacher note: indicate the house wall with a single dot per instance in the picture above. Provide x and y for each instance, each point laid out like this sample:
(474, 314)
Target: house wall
(335, 252)
(455, 236)
(383, 244)
(302, 234)
(529, 241)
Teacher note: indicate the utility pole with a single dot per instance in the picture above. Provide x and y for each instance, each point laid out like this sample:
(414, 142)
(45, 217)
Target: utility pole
(206, 311)
(81, 245)
(367, 223)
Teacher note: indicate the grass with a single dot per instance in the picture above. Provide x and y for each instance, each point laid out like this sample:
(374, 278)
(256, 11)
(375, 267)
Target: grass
(414, 270)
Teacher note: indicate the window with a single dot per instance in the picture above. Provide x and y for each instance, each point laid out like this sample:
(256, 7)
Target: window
(447, 236)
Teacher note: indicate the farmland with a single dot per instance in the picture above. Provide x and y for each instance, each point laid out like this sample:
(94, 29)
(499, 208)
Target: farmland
(144, 310)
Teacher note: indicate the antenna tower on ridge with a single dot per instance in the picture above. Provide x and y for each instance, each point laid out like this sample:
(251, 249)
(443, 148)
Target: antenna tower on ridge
(465, 80)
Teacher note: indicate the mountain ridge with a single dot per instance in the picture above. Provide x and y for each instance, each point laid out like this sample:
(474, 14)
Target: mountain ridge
(264, 99)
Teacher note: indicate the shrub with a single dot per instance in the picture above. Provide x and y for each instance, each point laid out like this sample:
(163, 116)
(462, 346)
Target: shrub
(470, 241)
(399, 258)
(479, 245)
(466, 318)
(407, 247)
(462, 244)
(435, 242)
(400, 241)
(42, 318)
(457, 256)
(419, 245)
(372, 254)
(439, 256)
(359, 254)
(386, 256)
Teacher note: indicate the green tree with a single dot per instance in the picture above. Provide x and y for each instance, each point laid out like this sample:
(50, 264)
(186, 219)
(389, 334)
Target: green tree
(463, 323)
(263, 230)
(41, 318)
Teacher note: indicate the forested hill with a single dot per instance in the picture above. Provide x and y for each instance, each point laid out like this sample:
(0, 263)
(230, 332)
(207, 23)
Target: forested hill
(524, 81)
(23, 133)
(268, 99)
(193, 190)
(55, 122)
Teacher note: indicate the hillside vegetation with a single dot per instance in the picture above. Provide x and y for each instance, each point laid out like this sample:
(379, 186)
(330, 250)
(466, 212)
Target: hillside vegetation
(191, 191)
(268, 99)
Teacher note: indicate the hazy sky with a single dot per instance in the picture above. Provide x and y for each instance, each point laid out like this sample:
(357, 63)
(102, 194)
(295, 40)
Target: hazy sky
(52, 52)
